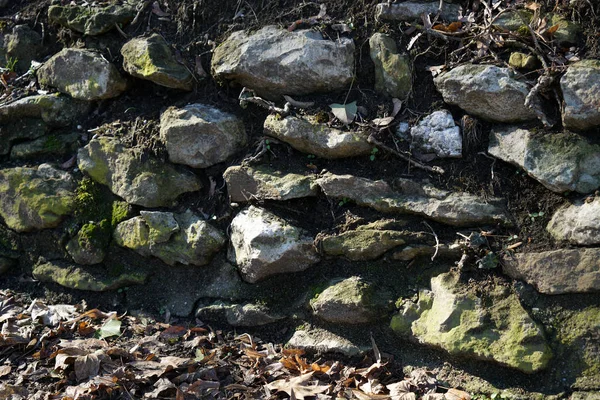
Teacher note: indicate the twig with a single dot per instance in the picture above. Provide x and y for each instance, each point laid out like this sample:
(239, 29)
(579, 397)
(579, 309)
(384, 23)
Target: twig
(437, 241)
(121, 31)
(247, 96)
(409, 160)
(298, 104)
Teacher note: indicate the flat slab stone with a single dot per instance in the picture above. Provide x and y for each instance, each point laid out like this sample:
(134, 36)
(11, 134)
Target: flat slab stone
(557, 271)
(323, 341)
(91, 20)
(580, 87)
(247, 314)
(412, 10)
(578, 223)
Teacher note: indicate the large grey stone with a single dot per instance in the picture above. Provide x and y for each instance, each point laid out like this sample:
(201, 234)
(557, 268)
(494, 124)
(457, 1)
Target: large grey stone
(91, 20)
(174, 238)
(557, 271)
(458, 209)
(437, 133)
(148, 183)
(151, 58)
(410, 11)
(24, 45)
(452, 317)
(393, 71)
(274, 61)
(200, 136)
(317, 139)
(82, 74)
(486, 91)
(248, 314)
(262, 244)
(35, 198)
(580, 86)
(322, 341)
(561, 162)
(578, 223)
(264, 183)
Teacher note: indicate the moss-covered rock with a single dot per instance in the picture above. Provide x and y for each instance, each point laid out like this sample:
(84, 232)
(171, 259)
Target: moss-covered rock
(57, 145)
(523, 61)
(91, 20)
(23, 45)
(393, 71)
(151, 58)
(35, 198)
(492, 327)
(366, 244)
(88, 247)
(248, 314)
(567, 33)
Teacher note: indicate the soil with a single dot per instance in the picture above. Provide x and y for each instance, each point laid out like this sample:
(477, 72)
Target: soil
(193, 29)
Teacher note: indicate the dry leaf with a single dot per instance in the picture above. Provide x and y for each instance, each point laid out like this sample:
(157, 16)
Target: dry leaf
(298, 385)
(450, 28)
(86, 366)
(455, 394)
(401, 391)
(344, 112)
(5, 370)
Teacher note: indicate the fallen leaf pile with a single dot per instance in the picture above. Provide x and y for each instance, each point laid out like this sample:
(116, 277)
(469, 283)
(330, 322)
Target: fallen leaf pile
(52, 352)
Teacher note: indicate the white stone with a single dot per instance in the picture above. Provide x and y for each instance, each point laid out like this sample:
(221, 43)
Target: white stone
(439, 134)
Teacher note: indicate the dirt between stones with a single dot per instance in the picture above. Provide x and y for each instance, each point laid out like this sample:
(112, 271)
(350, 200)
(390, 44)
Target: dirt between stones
(193, 29)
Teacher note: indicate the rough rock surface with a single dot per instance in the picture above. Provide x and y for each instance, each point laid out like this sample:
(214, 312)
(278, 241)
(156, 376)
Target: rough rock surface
(323, 341)
(485, 91)
(458, 209)
(410, 11)
(274, 62)
(82, 74)
(317, 139)
(248, 314)
(577, 223)
(88, 247)
(173, 238)
(455, 319)
(557, 271)
(200, 136)
(262, 244)
(393, 71)
(57, 145)
(561, 162)
(522, 60)
(35, 198)
(264, 183)
(437, 133)
(350, 301)
(580, 87)
(24, 45)
(91, 20)
(151, 59)
(95, 279)
(148, 183)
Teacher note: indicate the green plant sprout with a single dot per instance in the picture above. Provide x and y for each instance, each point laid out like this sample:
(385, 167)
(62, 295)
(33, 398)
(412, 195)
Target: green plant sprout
(373, 152)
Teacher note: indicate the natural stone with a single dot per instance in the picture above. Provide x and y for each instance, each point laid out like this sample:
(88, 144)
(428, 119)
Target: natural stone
(148, 183)
(578, 223)
(350, 301)
(275, 62)
(173, 238)
(82, 74)
(35, 198)
(201, 136)
(411, 11)
(57, 145)
(88, 247)
(317, 139)
(458, 209)
(411, 252)
(10, 243)
(151, 58)
(248, 314)
(514, 21)
(523, 61)
(95, 279)
(91, 20)
(557, 271)
(567, 32)
(437, 133)
(486, 91)
(264, 183)
(393, 71)
(322, 341)
(561, 162)
(580, 87)
(24, 45)
(262, 244)
(494, 328)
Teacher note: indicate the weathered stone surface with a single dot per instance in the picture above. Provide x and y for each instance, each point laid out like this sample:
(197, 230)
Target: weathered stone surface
(485, 91)
(23, 45)
(458, 209)
(351, 301)
(82, 74)
(262, 244)
(248, 314)
(577, 223)
(173, 238)
(95, 279)
(317, 139)
(513, 20)
(274, 62)
(323, 341)
(393, 71)
(200, 136)
(264, 183)
(149, 183)
(557, 271)
(88, 247)
(151, 59)
(567, 31)
(453, 318)
(57, 145)
(580, 86)
(411, 252)
(437, 133)
(412, 10)
(561, 162)
(35, 198)
(91, 20)
(522, 60)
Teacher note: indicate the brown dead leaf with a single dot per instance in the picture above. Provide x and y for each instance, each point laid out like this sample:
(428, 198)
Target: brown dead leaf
(86, 366)
(402, 391)
(450, 28)
(550, 31)
(173, 332)
(533, 6)
(299, 386)
(5, 370)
